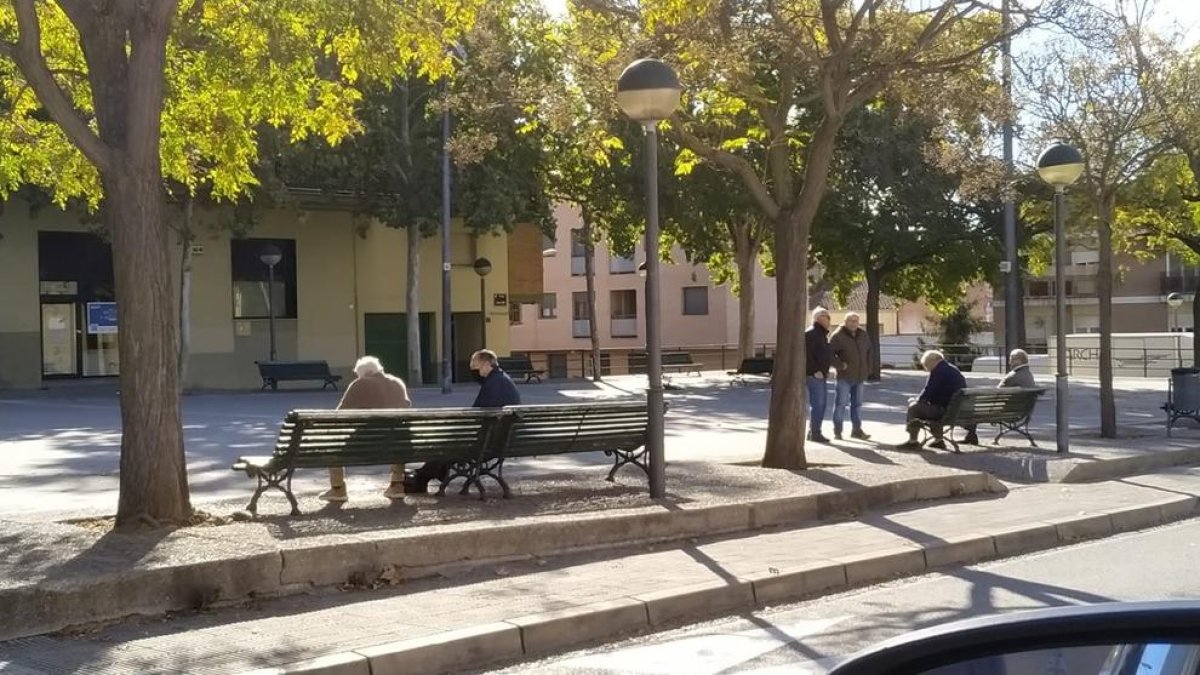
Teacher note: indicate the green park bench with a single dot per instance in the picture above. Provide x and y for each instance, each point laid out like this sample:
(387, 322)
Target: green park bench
(521, 367)
(274, 372)
(757, 366)
(474, 441)
(1006, 407)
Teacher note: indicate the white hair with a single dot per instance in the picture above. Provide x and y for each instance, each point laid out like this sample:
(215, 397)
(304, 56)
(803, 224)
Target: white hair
(931, 358)
(851, 315)
(816, 313)
(1018, 357)
(367, 365)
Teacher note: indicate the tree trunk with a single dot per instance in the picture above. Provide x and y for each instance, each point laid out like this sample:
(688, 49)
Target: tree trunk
(785, 426)
(412, 281)
(1104, 289)
(745, 254)
(186, 237)
(589, 273)
(1196, 325)
(412, 304)
(874, 286)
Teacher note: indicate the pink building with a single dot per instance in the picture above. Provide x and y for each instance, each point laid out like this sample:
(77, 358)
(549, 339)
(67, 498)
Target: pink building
(697, 316)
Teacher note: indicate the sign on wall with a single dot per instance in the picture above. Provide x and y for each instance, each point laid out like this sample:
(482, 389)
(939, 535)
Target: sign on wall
(101, 318)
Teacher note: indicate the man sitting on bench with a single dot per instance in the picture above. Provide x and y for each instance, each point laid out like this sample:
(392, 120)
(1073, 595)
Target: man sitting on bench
(496, 390)
(372, 388)
(1019, 376)
(944, 382)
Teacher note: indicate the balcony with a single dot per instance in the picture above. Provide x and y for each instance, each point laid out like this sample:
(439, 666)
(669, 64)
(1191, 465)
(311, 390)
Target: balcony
(627, 327)
(622, 265)
(1076, 288)
(581, 328)
(1179, 283)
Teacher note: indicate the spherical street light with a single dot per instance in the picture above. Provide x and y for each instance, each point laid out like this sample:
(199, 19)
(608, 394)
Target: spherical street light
(1060, 165)
(482, 266)
(1175, 300)
(648, 90)
(270, 255)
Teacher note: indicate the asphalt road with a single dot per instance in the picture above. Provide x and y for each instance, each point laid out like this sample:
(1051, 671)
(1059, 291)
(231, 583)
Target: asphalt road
(1156, 564)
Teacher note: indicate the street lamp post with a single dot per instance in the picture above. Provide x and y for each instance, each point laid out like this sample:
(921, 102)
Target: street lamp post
(271, 256)
(648, 92)
(1060, 165)
(483, 267)
(447, 308)
(1174, 301)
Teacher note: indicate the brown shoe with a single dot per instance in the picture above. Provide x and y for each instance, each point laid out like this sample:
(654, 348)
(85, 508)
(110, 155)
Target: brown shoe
(860, 435)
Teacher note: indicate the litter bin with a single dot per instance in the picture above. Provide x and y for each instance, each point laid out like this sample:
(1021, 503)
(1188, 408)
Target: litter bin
(1183, 396)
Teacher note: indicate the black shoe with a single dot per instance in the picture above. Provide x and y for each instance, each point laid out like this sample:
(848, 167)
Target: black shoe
(817, 438)
(413, 486)
(909, 445)
(938, 445)
(837, 435)
(971, 439)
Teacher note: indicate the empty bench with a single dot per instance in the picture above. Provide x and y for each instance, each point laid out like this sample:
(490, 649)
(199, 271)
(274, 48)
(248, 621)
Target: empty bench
(756, 366)
(521, 367)
(672, 362)
(1007, 407)
(274, 372)
(475, 442)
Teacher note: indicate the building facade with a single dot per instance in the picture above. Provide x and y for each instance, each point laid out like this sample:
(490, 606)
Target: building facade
(1140, 293)
(698, 316)
(338, 292)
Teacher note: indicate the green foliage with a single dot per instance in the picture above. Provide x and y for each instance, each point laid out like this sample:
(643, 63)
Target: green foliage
(233, 67)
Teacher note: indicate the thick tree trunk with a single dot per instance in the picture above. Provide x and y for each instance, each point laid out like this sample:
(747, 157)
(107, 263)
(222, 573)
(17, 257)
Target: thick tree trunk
(1104, 289)
(412, 304)
(785, 426)
(874, 285)
(186, 237)
(589, 273)
(745, 254)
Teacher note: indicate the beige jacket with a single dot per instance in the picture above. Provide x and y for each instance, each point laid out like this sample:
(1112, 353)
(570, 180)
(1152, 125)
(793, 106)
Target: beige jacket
(375, 391)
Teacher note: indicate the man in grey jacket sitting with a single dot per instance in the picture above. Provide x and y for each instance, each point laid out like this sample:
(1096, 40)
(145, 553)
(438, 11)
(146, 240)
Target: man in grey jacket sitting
(1019, 375)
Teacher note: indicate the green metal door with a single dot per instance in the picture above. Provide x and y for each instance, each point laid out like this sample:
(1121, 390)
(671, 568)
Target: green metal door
(386, 337)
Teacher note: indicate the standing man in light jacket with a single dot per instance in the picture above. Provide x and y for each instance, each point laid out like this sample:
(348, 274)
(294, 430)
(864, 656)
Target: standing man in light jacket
(852, 356)
(818, 358)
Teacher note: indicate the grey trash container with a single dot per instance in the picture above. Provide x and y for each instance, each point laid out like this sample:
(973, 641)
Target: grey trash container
(1183, 398)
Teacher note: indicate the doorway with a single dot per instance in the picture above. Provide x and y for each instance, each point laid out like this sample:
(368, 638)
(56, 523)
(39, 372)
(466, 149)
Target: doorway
(78, 308)
(385, 336)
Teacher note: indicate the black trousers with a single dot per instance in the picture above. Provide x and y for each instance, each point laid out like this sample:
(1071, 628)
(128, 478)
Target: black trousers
(430, 471)
(923, 410)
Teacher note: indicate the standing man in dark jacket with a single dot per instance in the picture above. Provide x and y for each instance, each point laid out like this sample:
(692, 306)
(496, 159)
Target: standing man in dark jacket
(944, 382)
(852, 356)
(818, 358)
(496, 390)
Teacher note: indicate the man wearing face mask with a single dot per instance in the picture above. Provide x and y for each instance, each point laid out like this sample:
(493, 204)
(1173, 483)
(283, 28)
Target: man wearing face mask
(496, 390)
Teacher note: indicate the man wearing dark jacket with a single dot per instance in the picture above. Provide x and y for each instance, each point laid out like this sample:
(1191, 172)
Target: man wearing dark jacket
(818, 358)
(853, 358)
(943, 383)
(496, 390)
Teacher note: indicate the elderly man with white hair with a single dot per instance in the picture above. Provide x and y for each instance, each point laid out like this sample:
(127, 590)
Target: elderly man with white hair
(854, 360)
(943, 383)
(371, 388)
(1019, 375)
(818, 359)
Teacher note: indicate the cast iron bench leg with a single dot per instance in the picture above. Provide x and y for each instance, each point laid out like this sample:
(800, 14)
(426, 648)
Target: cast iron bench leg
(623, 457)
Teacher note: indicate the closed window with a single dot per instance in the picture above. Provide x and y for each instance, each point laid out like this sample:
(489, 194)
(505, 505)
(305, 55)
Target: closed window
(578, 253)
(255, 293)
(514, 314)
(695, 300)
(624, 304)
(580, 324)
(548, 307)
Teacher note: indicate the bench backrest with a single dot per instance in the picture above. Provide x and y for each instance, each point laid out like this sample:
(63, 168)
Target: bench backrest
(1003, 404)
(516, 363)
(676, 359)
(298, 369)
(363, 437)
(556, 429)
(757, 365)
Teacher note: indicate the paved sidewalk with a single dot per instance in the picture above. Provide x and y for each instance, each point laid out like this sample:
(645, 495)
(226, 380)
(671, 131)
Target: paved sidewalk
(525, 608)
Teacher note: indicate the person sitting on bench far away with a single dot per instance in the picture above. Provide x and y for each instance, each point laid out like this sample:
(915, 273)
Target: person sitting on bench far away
(943, 383)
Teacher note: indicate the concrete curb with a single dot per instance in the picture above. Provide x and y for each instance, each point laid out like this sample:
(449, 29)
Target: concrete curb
(48, 606)
(539, 634)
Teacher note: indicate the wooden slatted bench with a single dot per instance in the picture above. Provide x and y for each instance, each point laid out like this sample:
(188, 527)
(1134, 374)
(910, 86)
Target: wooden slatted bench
(757, 366)
(274, 372)
(521, 366)
(1007, 407)
(311, 439)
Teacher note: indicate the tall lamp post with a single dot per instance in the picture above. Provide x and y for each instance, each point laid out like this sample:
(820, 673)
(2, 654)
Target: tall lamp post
(483, 267)
(447, 325)
(1175, 301)
(648, 92)
(1060, 165)
(271, 256)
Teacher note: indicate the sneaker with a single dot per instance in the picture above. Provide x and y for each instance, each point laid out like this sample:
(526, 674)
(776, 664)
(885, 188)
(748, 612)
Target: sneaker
(909, 445)
(817, 438)
(971, 439)
(938, 445)
(335, 494)
(395, 490)
(860, 435)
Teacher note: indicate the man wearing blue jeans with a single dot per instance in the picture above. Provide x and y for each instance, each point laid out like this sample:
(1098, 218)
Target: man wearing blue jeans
(854, 360)
(818, 358)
